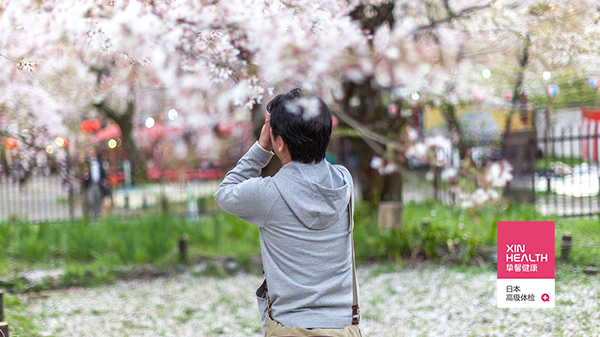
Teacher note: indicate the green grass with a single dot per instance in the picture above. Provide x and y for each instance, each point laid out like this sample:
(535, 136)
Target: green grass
(20, 322)
(99, 252)
(463, 236)
(545, 163)
(585, 249)
(91, 252)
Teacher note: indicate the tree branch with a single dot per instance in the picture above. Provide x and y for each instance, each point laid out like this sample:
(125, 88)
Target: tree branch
(370, 137)
(451, 15)
(448, 9)
(108, 111)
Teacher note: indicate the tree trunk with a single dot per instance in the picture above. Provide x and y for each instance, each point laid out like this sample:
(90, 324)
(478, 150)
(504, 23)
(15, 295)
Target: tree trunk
(372, 112)
(449, 113)
(136, 158)
(523, 61)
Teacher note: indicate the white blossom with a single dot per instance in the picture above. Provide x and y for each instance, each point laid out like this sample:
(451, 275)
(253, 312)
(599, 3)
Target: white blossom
(418, 151)
(377, 163)
(412, 134)
(449, 173)
(499, 173)
(480, 197)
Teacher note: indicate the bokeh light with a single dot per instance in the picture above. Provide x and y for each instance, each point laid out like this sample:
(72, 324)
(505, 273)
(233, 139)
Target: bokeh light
(547, 75)
(149, 122)
(59, 141)
(172, 114)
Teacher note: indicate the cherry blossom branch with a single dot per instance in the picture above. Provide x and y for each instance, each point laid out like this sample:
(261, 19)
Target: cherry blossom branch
(370, 137)
(465, 13)
(6, 57)
(198, 56)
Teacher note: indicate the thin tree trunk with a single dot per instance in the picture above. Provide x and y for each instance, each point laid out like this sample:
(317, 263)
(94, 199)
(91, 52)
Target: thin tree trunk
(134, 155)
(518, 87)
(136, 158)
(449, 113)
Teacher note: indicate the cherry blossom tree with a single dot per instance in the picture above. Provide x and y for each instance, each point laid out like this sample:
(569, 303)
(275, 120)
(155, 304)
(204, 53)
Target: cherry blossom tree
(216, 62)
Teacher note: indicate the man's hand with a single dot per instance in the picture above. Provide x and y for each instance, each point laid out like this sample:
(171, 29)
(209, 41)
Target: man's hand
(265, 135)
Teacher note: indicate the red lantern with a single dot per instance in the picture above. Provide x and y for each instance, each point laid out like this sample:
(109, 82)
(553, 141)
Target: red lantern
(11, 142)
(90, 126)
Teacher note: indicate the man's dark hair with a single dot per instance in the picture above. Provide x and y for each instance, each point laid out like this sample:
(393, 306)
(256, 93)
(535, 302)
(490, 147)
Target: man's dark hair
(303, 122)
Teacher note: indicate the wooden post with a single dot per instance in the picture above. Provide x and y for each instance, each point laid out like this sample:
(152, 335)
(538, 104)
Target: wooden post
(425, 224)
(390, 214)
(1, 306)
(565, 248)
(436, 183)
(3, 329)
(164, 204)
(3, 324)
(183, 246)
(201, 205)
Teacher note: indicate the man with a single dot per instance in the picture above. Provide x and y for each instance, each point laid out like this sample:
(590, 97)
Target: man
(302, 212)
(94, 179)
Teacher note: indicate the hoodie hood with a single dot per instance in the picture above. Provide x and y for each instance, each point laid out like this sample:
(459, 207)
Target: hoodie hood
(318, 194)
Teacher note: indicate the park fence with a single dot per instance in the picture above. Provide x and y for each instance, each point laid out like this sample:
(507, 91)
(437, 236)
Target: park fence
(557, 171)
(46, 196)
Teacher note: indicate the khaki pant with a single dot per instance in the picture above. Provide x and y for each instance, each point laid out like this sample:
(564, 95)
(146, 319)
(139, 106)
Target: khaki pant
(275, 329)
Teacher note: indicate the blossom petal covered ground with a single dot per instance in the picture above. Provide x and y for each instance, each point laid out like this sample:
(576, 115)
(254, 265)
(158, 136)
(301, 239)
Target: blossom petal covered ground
(413, 301)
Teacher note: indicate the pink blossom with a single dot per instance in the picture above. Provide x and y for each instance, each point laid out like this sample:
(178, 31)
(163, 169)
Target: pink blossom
(412, 134)
(27, 65)
(393, 110)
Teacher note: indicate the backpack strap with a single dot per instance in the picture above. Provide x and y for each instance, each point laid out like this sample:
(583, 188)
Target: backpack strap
(355, 307)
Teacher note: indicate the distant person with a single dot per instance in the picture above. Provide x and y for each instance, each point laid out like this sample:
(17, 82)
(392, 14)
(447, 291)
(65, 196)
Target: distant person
(303, 216)
(94, 179)
(106, 184)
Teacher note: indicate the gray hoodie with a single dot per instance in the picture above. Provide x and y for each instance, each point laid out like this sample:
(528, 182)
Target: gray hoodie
(302, 213)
